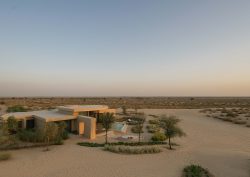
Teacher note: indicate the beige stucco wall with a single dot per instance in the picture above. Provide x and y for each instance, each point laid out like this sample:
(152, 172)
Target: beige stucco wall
(89, 126)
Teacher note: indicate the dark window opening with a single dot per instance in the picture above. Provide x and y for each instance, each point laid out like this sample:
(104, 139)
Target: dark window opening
(30, 124)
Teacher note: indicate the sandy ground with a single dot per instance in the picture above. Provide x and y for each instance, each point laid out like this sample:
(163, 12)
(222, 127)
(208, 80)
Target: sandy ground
(223, 148)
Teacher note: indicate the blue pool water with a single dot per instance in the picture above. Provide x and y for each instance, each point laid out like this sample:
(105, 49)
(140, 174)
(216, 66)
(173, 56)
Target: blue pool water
(119, 126)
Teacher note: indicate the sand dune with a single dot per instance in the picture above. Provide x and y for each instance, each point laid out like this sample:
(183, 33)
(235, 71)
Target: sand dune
(221, 147)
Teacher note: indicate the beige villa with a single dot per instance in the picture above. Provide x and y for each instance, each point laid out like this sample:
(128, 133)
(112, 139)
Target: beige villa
(79, 118)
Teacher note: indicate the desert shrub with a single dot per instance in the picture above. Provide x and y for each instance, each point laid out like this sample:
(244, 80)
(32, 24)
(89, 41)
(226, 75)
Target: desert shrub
(65, 135)
(205, 110)
(231, 114)
(239, 121)
(227, 119)
(158, 136)
(137, 129)
(4, 140)
(196, 171)
(5, 156)
(62, 132)
(12, 125)
(31, 135)
(132, 150)
(152, 115)
(91, 144)
(58, 140)
(153, 128)
(153, 121)
(17, 108)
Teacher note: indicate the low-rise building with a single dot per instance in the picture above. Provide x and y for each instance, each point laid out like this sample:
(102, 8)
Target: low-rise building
(81, 119)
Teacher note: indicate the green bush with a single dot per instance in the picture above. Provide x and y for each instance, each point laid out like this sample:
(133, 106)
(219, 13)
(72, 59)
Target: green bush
(196, 171)
(5, 156)
(158, 136)
(31, 135)
(132, 150)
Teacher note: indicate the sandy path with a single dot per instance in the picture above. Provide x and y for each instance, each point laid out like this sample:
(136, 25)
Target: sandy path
(221, 147)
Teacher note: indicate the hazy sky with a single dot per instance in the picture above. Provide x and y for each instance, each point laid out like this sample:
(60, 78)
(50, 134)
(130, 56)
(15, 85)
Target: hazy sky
(125, 48)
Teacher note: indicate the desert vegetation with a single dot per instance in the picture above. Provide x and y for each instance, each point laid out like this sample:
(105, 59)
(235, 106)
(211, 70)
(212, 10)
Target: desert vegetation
(139, 120)
(93, 144)
(196, 171)
(132, 150)
(107, 119)
(17, 108)
(159, 136)
(171, 129)
(13, 138)
(240, 116)
(37, 103)
(153, 126)
(5, 156)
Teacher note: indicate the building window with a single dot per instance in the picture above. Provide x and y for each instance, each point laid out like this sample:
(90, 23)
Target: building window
(20, 124)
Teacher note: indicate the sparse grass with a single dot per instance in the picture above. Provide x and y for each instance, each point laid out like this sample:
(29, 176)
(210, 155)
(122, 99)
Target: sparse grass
(196, 171)
(5, 156)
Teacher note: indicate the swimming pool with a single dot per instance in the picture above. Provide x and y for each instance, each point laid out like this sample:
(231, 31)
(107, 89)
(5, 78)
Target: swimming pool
(120, 127)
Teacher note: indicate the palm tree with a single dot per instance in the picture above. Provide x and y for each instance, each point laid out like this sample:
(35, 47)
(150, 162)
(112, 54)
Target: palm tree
(139, 118)
(169, 124)
(107, 119)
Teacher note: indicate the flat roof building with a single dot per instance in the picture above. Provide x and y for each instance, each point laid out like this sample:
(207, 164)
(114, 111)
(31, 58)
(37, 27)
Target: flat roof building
(78, 118)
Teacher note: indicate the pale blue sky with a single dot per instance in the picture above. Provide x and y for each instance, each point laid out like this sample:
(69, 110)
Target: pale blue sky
(124, 48)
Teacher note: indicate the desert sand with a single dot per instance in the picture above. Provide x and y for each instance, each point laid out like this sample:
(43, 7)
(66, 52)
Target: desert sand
(222, 147)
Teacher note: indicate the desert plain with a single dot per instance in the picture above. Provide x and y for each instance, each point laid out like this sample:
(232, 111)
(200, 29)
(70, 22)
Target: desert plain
(221, 147)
